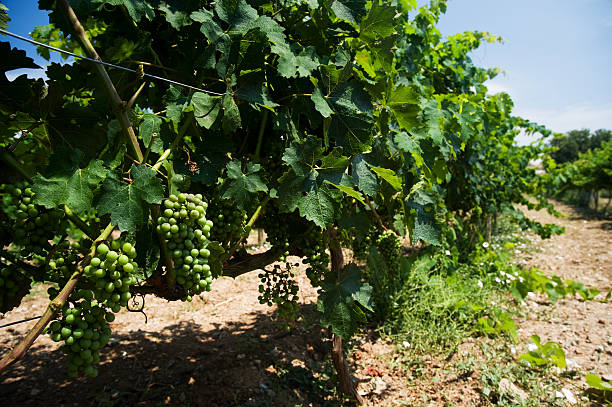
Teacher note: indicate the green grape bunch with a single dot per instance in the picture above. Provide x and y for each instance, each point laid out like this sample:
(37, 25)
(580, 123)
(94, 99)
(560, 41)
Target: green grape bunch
(389, 246)
(187, 231)
(111, 273)
(84, 329)
(61, 261)
(34, 225)
(277, 286)
(230, 221)
(316, 257)
(14, 285)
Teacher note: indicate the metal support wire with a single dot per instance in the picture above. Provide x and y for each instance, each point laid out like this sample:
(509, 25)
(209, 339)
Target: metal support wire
(97, 61)
(19, 322)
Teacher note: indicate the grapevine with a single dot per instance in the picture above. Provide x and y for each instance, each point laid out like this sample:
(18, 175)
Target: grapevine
(305, 122)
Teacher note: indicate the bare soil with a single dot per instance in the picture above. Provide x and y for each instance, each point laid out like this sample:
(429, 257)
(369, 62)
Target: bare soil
(225, 349)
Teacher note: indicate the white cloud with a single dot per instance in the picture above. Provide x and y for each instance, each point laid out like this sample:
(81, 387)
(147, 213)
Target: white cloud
(564, 119)
(570, 117)
(494, 87)
(31, 73)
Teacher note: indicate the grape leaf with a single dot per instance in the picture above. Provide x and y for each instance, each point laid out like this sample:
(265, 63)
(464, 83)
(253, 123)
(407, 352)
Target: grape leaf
(256, 93)
(151, 124)
(231, 114)
(378, 23)
(148, 253)
(404, 104)
(291, 65)
(422, 223)
(389, 176)
(349, 10)
(127, 202)
(4, 18)
(209, 28)
(320, 103)
(364, 178)
(306, 186)
(237, 14)
(206, 108)
(408, 144)
(350, 192)
(14, 58)
(69, 186)
(339, 300)
(242, 186)
(352, 122)
(177, 13)
(136, 8)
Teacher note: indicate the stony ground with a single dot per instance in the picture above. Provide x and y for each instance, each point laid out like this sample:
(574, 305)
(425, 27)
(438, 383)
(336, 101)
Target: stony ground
(225, 349)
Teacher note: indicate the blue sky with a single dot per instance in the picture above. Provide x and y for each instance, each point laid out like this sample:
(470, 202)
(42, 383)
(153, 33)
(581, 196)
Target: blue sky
(556, 55)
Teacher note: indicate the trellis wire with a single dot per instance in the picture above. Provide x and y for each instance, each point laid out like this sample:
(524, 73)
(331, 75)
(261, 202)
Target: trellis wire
(20, 321)
(97, 61)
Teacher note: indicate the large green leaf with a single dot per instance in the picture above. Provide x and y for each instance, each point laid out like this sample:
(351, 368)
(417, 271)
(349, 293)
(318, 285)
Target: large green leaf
(307, 185)
(71, 186)
(404, 104)
(127, 203)
(340, 300)
(378, 23)
(243, 185)
(352, 122)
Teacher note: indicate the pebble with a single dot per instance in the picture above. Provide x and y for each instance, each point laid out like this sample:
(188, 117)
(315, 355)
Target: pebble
(569, 396)
(34, 392)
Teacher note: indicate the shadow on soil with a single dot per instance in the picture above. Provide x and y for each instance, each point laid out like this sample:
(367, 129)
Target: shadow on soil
(182, 365)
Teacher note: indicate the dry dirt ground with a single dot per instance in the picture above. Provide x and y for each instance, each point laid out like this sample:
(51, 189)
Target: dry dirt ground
(225, 349)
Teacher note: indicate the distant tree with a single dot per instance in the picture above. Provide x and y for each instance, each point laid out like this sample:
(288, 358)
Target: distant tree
(577, 141)
(569, 145)
(599, 137)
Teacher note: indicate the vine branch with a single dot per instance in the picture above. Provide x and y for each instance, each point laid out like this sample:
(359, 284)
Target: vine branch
(117, 103)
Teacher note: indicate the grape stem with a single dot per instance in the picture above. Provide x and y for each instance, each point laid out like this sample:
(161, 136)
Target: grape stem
(54, 306)
(262, 128)
(23, 265)
(79, 223)
(376, 215)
